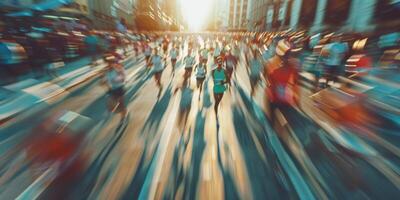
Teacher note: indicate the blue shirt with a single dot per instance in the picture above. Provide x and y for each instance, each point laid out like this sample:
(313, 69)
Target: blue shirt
(157, 63)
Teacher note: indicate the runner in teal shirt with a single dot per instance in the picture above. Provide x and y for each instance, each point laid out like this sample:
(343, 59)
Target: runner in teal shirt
(219, 77)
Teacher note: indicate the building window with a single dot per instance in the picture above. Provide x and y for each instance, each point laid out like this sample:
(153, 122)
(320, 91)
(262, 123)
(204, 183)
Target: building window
(307, 14)
(288, 12)
(337, 12)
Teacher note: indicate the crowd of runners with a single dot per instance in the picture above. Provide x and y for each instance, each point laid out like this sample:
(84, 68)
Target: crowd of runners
(271, 60)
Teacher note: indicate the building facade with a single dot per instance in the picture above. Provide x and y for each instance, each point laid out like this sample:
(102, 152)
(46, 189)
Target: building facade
(238, 14)
(106, 13)
(318, 15)
(172, 14)
(157, 15)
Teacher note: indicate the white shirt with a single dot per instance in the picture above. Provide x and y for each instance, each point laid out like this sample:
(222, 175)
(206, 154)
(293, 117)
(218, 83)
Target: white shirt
(189, 61)
(115, 78)
(201, 71)
(147, 51)
(173, 53)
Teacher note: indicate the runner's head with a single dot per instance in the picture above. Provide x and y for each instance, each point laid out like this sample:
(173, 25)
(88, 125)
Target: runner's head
(110, 58)
(219, 62)
(283, 48)
(228, 50)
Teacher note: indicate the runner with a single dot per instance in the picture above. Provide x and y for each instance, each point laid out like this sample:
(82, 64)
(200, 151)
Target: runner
(116, 80)
(217, 52)
(333, 55)
(236, 51)
(92, 42)
(180, 43)
(147, 52)
(203, 54)
(157, 61)
(165, 44)
(201, 71)
(219, 77)
(189, 62)
(173, 54)
(282, 76)
(230, 63)
(136, 49)
(255, 71)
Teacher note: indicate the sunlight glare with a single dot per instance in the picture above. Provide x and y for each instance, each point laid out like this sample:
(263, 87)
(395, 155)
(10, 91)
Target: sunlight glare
(196, 12)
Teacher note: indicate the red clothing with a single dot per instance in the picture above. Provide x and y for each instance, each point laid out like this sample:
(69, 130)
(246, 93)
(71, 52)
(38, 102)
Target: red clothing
(364, 62)
(359, 63)
(283, 85)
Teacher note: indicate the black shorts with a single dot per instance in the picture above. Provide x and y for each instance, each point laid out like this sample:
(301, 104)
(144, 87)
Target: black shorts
(200, 79)
(189, 69)
(254, 80)
(157, 74)
(117, 92)
(331, 70)
(229, 70)
(173, 60)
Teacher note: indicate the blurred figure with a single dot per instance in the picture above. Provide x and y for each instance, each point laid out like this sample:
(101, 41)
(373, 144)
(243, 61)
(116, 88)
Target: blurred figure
(333, 55)
(203, 53)
(230, 63)
(136, 49)
(13, 61)
(38, 55)
(92, 42)
(165, 44)
(360, 63)
(282, 76)
(256, 67)
(173, 54)
(115, 76)
(236, 50)
(201, 71)
(220, 79)
(147, 52)
(2, 29)
(217, 51)
(189, 62)
(390, 47)
(314, 40)
(53, 150)
(122, 29)
(157, 61)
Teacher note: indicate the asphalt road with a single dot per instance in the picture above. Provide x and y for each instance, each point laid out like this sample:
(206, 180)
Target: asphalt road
(173, 147)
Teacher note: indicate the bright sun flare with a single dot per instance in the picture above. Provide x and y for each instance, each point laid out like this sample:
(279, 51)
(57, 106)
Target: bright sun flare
(196, 12)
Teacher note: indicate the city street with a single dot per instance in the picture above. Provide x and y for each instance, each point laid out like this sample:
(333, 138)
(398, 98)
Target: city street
(199, 99)
(174, 147)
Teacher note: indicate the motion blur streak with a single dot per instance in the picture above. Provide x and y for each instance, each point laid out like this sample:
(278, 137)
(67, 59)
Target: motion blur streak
(190, 99)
